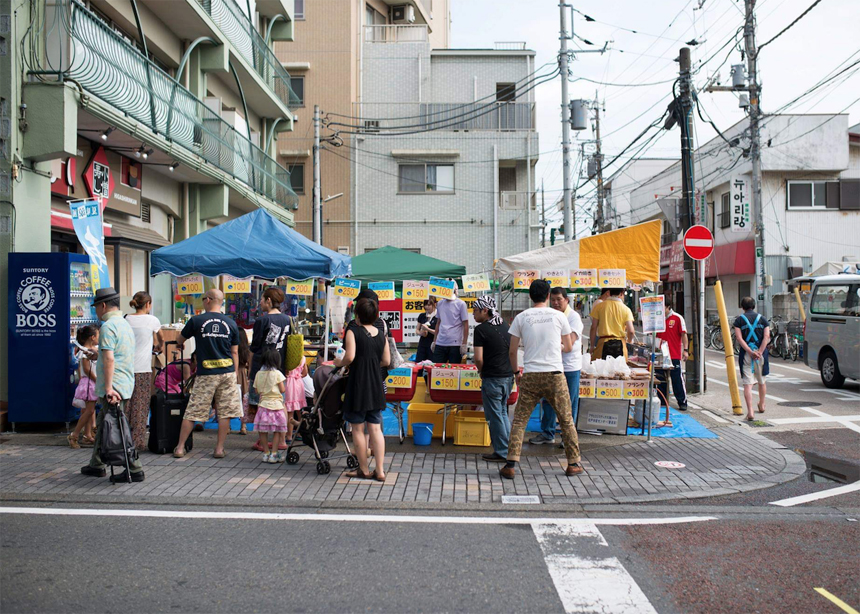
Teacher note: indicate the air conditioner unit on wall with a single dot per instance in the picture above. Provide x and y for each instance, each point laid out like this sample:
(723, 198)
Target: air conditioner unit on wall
(403, 13)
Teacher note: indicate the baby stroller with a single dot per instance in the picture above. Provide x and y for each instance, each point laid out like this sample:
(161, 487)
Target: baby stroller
(322, 424)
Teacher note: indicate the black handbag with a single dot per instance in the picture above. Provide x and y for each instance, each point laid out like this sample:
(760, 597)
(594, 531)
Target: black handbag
(116, 447)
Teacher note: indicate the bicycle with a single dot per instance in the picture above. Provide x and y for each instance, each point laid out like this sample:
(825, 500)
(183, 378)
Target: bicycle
(717, 339)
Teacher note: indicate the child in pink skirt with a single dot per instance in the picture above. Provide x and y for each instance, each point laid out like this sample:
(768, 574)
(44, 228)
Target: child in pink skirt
(85, 393)
(294, 395)
(271, 417)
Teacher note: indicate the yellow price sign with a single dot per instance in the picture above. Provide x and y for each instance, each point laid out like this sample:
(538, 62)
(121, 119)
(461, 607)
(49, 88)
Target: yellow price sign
(556, 278)
(442, 288)
(583, 278)
(236, 285)
(635, 390)
(384, 290)
(300, 288)
(416, 290)
(348, 288)
(586, 389)
(479, 282)
(445, 379)
(612, 278)
(399, 378)
(609, 389)
(523, 279)
(470, 380)
(189, 284)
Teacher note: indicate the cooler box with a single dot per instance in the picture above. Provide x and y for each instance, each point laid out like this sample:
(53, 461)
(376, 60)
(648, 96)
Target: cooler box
(426, 412)
(401, 383)
(460, 384)
(471, 429)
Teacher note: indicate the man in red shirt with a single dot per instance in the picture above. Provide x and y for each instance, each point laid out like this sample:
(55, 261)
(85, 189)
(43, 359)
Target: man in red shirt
(676, 336)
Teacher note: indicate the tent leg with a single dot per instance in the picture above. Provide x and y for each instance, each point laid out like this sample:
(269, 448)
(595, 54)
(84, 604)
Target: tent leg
(327, 314)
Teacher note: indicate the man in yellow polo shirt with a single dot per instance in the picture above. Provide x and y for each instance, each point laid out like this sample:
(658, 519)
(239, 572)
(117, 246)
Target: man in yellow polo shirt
(612, 322)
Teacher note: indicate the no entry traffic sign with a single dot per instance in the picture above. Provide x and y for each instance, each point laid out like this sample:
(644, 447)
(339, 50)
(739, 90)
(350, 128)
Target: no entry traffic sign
(698, 242)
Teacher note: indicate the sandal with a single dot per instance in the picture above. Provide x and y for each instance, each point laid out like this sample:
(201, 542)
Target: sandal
(377, 477)
(219, 454)
(361, 475)
(88, 442)
(73, 442)
(179, 454)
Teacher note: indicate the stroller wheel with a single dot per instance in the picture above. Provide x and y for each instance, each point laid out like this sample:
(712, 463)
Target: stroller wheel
(321, 468)
(293, 458)
(324, 454)
(352, 461)
(327, 467)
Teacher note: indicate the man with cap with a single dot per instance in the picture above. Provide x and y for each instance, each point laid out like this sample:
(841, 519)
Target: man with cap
(114, 376)
(452, 330)
(492, 343)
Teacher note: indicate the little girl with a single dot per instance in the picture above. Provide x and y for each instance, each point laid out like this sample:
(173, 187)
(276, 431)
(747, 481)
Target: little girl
(271, 417)
(294, 396)
(85, 393)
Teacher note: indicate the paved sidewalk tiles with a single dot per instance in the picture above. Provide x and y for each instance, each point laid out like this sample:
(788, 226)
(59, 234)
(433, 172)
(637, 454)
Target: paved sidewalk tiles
(739, 460)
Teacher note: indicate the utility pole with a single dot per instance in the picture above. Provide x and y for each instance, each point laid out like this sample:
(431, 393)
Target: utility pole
(691, 280)
(565, 122)
(598, 159)
(317, 213)
(542, 216)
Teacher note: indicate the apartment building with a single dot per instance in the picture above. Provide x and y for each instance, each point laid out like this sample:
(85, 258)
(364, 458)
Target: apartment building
(810, 193)
(325, 62)
(170, 112)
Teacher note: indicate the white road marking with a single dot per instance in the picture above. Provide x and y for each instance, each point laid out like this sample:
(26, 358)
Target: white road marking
(45, 511)
(585, 580)
(815, 496)
(755, 390)
(716, 364)
(715, 416)
(807, 420)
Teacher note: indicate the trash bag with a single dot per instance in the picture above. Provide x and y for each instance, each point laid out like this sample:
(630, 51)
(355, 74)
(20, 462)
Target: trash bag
(116, 446)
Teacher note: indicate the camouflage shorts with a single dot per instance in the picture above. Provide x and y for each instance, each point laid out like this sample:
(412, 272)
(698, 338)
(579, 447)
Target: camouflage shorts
(219, 391)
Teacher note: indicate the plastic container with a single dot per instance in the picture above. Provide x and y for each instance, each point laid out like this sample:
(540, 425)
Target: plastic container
(426, 412)
(471, 430)
(403, 394)
(458, 396)
(422, 433)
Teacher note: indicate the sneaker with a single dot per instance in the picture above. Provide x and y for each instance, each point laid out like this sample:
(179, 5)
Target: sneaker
(684, 408)
(541, 440)
(280, 457)
(267, 456)
(493, 458)
(96, 472)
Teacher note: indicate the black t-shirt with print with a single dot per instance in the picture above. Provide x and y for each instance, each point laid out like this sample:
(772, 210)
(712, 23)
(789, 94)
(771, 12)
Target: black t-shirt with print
(214, 337)
(270, 332)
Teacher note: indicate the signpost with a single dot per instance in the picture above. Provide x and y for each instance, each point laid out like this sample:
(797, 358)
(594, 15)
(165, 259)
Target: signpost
(699, 245)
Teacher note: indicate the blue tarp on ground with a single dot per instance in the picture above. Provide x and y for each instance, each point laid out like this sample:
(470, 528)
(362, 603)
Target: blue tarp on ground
(254, 245)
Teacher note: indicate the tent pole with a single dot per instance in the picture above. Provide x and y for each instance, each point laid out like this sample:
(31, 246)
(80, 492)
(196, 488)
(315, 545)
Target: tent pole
(327, 312)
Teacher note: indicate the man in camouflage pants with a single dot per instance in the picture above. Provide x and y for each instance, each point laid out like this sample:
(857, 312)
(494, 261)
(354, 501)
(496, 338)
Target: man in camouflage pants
(544, 334)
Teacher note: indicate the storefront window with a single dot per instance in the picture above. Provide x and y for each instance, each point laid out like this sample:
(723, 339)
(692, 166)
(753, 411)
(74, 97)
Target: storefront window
(128, 271)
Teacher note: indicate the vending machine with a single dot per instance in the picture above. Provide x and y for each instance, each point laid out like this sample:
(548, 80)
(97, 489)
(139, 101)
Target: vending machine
(49, 298)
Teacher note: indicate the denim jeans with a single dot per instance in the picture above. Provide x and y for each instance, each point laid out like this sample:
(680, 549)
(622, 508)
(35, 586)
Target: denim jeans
(494, 394)
(547, 415)
(447, 354)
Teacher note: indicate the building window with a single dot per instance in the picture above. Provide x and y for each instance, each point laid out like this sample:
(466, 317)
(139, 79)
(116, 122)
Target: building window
(299, 11)
(297, 178)
(725, 214)
(297, 84)
(744, 290)
(811, 195)
(506, 92)
(426, 178)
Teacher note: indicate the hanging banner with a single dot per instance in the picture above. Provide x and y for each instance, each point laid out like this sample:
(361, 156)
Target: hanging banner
(478, 282)
(189, 284)
(87, 222)
(523, 279)
(299, 288)
(384, 290)
(348, 288)
(442, 288)
(740, 198)
(653, 313)
(583, 278)
(411, 310)
(556, 278)
(236, 285)
(416, 290)
(612, 278)
(392, 313)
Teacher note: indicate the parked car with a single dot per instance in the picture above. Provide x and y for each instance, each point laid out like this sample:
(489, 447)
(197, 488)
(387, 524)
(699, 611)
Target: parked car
(832, 331)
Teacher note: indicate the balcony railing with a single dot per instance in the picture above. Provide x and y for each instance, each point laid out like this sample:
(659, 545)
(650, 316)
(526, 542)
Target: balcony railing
(510, 45)
(515, 201)
(109, 68)
(389, 117)
(240, 31)
(396, 34)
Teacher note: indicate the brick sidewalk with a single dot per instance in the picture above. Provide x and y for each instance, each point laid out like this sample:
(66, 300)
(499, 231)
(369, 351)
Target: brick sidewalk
(737, 461)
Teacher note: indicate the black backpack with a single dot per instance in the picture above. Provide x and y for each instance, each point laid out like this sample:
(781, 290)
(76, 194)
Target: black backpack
(116, 446)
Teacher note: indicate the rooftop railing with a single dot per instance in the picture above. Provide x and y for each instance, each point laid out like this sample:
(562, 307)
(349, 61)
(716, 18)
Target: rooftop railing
(416, 33)
(410, 116)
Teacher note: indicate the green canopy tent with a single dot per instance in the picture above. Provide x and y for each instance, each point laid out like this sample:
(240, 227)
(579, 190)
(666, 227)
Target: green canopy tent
(394, 264)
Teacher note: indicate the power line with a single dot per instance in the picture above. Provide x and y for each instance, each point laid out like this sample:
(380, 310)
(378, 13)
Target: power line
(788, 27)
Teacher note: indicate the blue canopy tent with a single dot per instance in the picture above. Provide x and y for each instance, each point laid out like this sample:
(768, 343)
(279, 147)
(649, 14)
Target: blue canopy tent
(253, 245)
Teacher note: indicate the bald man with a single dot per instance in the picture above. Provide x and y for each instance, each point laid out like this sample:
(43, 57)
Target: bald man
(217, 346)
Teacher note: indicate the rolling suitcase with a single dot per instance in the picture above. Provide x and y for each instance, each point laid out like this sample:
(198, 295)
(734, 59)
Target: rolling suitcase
(166, 413)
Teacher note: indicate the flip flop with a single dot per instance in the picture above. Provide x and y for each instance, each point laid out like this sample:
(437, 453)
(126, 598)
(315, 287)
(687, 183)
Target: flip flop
(377, 478)
(358, 473)
(750, 419)
(217, 455)
(179, 454)
(761, 411)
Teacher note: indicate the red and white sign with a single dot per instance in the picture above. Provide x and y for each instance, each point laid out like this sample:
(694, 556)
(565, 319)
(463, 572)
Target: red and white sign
(670, 465)
(97, 177)
(698, 242)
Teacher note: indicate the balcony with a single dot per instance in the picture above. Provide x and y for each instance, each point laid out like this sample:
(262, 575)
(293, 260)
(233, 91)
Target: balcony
(107, 67)
(410, 116)
(396, 34)
(516, 201)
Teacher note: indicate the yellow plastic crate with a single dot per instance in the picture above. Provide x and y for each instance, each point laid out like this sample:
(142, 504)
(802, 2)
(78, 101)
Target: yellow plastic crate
(471, 430)
(426, 412)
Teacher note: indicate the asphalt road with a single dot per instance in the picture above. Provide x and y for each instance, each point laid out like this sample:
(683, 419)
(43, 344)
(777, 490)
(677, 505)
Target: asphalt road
(763, 563)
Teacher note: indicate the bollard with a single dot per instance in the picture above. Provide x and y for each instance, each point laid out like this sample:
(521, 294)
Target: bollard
(737, 408)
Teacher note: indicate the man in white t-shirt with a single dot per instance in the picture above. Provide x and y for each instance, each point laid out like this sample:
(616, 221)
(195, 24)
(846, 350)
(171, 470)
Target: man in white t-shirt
(572, 362)
(544, 333)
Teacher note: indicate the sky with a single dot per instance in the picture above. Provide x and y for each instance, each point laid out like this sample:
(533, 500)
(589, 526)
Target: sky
(824, 40)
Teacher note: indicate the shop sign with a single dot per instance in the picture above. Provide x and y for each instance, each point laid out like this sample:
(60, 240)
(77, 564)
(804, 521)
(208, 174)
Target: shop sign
(635, 390)
(609, 388)
(612, 278)
(740, 198)
(300, 288)
(411, 310)
(416, 290)
(87, 222)
(236, 285)
(189, 284)
(399, 378)
(470, 380)
(36, 316)
(348, 288)
(384, 290)
(478, 282)
(442, 288)
(676, 262)
(653, 312)
(583, 278)
(523, 279)
(556, 278)
(586, 388)
(599, 419)
(392, 313)
(97, 177)
(445, 379)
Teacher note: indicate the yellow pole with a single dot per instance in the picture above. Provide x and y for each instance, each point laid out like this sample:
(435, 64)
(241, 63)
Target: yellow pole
(800, 304)
(737, 408)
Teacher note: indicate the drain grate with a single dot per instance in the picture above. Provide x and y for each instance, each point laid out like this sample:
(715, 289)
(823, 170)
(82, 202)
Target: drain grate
(798, 404)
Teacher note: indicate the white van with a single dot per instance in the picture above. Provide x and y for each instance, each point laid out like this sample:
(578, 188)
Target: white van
(831, 339)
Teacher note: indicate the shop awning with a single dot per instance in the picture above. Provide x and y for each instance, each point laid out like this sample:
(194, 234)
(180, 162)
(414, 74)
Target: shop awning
(254, 245)
(394, 264)
(143, 236)
(635, 249)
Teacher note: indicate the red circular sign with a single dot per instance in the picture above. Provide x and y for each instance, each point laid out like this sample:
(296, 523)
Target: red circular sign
(698, 242)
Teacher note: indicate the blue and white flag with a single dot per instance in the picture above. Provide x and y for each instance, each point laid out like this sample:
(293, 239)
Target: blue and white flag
(87, 221)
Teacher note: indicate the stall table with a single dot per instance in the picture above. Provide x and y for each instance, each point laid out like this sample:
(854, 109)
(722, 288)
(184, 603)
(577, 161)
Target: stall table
(400, 386)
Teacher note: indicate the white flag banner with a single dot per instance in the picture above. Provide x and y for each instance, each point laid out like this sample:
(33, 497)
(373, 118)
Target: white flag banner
(740, 205)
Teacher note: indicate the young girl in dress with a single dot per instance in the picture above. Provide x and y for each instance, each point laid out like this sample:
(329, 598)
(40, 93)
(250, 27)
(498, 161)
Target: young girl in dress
(271, 417)
(85, 393)
(294, 396)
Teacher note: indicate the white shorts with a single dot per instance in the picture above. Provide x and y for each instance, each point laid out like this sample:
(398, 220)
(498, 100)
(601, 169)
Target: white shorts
(748, 378)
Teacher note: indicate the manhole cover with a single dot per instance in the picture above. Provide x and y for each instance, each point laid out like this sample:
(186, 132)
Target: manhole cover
(670, 464)
(798, 404)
